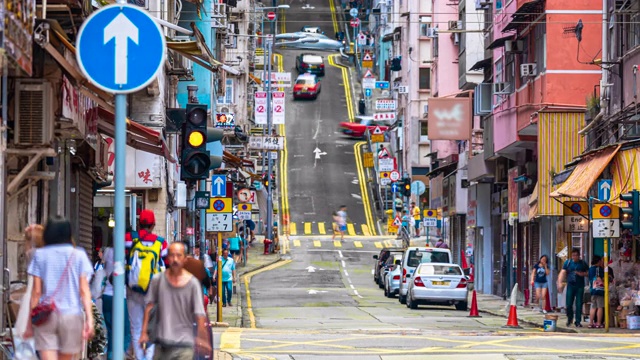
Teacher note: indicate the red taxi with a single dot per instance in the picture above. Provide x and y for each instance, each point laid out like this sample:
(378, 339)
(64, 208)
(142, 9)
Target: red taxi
(307, 86)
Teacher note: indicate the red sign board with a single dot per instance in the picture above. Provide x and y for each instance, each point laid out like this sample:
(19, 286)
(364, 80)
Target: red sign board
(271, 15)
(355, 22)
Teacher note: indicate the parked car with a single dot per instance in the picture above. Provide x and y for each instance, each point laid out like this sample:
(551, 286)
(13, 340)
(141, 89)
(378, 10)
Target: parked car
(392, 278)
(439, 284)
(310, 63)
(361, 124)
(380, 260)
(415, 256)
(387, 266)
(307, 86)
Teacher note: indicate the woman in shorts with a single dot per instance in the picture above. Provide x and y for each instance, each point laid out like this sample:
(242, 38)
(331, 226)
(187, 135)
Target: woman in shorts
(540, 283)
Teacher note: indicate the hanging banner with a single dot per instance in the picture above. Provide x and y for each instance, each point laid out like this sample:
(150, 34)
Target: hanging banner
(278, 99)
(260, 107)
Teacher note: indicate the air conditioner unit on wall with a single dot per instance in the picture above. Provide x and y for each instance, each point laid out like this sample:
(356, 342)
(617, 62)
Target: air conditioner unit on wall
(432, 32)
(456, 39)
(452, 25)
(514, 46)
(33, 113)
(528, 69)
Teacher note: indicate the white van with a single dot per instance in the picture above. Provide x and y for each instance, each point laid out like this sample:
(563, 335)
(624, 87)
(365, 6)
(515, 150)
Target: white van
(415, 256)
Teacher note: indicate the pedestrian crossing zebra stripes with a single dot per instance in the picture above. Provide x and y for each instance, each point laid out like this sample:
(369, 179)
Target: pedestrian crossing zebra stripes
(337, 244)
(322, 228)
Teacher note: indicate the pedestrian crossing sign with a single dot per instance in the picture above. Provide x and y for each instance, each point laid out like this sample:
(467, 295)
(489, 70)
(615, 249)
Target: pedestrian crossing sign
(368, 74)
(397, 221)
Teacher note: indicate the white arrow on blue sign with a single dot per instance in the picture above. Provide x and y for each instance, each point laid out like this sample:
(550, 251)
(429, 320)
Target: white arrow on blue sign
(604, 189)
(219, 186)
(120, 48)
(394, 187)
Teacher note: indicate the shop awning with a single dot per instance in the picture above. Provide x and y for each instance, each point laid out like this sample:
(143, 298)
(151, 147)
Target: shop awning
(585, 174)
(499, 42)
(387, 37)
(625, 168)
(481, 64)
(525, 14)
(138, 136)
(235, 161)
(196, 51)
(445, 169)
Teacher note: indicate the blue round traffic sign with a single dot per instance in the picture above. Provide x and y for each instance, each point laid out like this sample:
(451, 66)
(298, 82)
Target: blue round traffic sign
(218, 205)
(605, 210)
(430, 213)
(576, 208)
(120, 48)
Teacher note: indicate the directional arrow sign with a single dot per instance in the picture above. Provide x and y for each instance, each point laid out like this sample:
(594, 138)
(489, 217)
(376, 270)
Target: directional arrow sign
(319, 152)
(310, 269)
(604, 189)
(219, 186)
(120, 48)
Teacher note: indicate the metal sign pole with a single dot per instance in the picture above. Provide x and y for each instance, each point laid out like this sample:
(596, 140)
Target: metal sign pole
(119, 231)
(269, 163)
(606, 284)
(3, 188)
(219, 278)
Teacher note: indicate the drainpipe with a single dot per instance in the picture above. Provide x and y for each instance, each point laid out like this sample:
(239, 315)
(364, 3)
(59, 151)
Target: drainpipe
(605, 74)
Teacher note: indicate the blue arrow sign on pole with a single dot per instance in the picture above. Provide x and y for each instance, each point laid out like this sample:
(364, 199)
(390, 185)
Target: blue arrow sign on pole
(604, 189)
(120, 48)
(367, 92)
(394, 187)
(219, 186)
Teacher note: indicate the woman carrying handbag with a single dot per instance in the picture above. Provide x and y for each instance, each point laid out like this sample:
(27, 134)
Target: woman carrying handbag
(60, 294)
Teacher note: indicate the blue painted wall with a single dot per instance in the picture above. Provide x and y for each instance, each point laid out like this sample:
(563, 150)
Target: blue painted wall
(202, 76)
(382, 57)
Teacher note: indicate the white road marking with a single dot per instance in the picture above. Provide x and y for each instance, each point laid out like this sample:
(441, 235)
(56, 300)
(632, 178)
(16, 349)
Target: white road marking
(340, 254)
(298, 155)
(356, 196)
(353, 287)
(347, 274)
(356, 292)
(343, 264)
(317, 130)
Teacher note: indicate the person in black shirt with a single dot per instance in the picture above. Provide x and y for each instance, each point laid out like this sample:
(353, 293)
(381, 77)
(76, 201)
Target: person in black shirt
(540, 283)
(573, 271)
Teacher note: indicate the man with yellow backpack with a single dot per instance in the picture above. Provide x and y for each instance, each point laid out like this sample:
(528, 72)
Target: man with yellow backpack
(145, 252)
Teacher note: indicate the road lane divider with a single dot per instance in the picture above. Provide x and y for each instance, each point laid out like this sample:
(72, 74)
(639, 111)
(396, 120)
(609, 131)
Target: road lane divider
(307, 228)
(362, 180)
(378, 244)
(247, 282)
(337, 243)
(334, 20)
(365, 230)
(357, 244)
(345, 83)
(321, 229)
(351, 230)
(285, 218)
(317, 243)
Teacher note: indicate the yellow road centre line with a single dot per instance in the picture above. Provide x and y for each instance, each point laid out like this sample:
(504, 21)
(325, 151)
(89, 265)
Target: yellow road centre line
(247, 281)
(333, 16)
(307, 228)
(363, 187)
(293, 229)
(317, 243)
(350, 229)
(321, 229)
(357, 244)
(284, 180)
(296, 243)
(365, 230)
(337, 243)
(378, 244)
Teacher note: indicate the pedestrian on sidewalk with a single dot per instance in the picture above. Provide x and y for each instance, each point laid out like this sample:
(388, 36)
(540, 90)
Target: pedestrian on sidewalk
(415, 212)
(60, 294)
(145, 252)
(228, 277)
(398, 204)
(341, 221)
(596, 287)
(198, 269)
(234, 246)
(177, 296)
(540, 283)
(574, 271)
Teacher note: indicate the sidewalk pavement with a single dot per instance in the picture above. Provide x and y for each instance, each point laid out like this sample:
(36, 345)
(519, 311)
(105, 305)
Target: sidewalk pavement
(495, 305)
(232, 316)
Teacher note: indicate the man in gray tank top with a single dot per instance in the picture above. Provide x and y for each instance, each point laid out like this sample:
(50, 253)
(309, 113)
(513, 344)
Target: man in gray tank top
(177, 296)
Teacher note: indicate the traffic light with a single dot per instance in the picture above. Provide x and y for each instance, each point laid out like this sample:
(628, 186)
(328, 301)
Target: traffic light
(406, 187)
(633, 211)
(195, 159)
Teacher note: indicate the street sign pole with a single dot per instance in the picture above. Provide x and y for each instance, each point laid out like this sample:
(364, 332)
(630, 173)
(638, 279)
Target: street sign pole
(118, 234)
(606, 284)
(203, 224)
(269, 162)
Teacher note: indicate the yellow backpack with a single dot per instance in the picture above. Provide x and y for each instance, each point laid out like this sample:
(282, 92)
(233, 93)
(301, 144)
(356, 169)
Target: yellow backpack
(144, 262)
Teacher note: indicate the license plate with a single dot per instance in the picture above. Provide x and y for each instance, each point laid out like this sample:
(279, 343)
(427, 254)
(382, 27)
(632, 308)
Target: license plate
(304, 90)
(314, 67)
(440, 283)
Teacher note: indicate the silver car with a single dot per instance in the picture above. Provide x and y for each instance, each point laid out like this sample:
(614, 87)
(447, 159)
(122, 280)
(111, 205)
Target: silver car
(392, 277)
(323, 42)
(438, 283)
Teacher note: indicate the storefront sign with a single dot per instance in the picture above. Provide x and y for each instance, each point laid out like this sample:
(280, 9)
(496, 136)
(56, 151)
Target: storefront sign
(80, 111)
(523, 209)
(19, 20)
(225, 120)
(471, 213)
(143, 168)
(449, 118)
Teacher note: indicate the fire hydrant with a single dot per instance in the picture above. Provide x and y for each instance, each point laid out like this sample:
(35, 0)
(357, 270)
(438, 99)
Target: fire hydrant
(267, 244)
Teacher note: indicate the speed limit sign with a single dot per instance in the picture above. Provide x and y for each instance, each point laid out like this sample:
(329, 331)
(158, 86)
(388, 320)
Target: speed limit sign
(394, 176)
(260, 103)
(278, 107)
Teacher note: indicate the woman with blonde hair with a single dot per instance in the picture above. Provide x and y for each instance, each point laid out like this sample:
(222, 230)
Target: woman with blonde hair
(60, 293)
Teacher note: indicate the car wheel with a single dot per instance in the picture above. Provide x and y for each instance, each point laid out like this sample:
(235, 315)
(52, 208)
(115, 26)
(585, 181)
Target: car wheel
(462, 306)
(380, 284)
(386, 292)
(389, 293)
(411, 303)
(402, 299)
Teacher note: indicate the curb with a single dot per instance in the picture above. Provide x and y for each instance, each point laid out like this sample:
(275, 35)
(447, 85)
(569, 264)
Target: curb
(241, 321)
(558, 329)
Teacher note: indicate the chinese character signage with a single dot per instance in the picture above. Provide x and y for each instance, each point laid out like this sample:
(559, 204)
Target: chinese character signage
(449, 118)
(266, 142)
(225, 120)
(19, 20)
(81, 111)
(143, 168)
(260, 105)
(278, 99)
(384, 116)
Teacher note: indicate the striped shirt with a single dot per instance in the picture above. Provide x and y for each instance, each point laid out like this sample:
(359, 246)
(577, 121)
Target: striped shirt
(49, 264)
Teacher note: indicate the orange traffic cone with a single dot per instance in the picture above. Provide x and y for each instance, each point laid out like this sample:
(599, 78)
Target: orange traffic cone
(474, 306)
(512, 321)
(547, 306)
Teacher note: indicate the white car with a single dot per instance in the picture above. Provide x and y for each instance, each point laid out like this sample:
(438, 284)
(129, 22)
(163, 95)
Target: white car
(439, 284)
(392, 277)
(415, 256)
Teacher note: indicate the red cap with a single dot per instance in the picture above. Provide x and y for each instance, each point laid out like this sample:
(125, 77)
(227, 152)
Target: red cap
(147, 217)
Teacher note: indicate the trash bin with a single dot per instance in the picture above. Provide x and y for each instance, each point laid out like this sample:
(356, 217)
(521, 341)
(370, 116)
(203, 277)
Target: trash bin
(362, 107)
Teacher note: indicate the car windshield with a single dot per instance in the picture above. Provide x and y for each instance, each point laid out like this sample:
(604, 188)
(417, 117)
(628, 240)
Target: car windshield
(305, 82)
(427, 257)
(439, 270)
